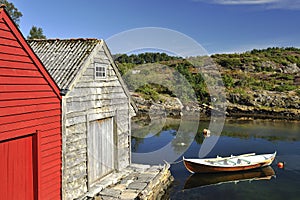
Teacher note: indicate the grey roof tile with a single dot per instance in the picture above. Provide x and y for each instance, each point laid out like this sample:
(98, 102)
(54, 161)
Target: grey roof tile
(63, 58)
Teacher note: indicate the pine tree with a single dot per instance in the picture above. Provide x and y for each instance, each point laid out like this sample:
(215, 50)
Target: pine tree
(36, 33)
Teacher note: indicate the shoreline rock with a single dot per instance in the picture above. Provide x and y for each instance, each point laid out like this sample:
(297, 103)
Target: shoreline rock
(263, 105)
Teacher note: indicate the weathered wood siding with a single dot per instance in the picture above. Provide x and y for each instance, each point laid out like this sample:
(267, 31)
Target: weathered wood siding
(90, 100)
(30, 110)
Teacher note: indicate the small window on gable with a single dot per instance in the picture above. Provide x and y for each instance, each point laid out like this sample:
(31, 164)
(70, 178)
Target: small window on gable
(100, 71)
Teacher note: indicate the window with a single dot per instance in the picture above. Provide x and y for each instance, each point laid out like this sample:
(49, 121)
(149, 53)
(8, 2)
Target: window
(100, 71)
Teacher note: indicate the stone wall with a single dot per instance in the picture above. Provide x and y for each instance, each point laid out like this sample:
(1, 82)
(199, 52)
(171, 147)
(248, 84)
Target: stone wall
(90, 100)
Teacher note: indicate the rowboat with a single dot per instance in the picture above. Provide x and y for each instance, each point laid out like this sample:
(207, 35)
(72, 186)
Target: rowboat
(228, 164)
(197, 180)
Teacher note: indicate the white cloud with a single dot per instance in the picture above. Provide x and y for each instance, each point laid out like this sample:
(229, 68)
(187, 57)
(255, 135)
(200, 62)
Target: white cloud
(269, 4)
(286, 4)
(244, 2)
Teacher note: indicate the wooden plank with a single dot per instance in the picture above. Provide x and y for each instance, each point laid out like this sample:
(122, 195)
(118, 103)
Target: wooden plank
(7, 34)
(27, 109)
(52, 188)
(55, 169)
(51, 159)
(26, 102)
(54, 184)
(52, 178)
(49, 139)
(54, 150)
(5, 96)
(51, 132)
(32, 129)
(17, 65)
(49, 165)
(25, 88)
(3, 26)
(21, 80)
(29, 123)
(49, 146)
(29, 116)
(10, 57)
(12, 50)
(53, 195)
(19, 73)
(9, 42)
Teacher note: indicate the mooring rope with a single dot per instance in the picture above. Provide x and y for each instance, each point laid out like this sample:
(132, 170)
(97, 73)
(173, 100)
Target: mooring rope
(174, 163)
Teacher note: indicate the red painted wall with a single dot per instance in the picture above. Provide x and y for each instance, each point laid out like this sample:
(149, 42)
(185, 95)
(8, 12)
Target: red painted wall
(30, 120)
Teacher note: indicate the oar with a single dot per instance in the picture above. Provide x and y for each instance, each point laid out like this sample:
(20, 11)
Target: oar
(242, 155)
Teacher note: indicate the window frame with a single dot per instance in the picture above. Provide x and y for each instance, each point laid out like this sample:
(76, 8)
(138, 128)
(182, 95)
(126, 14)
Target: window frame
(101, 71)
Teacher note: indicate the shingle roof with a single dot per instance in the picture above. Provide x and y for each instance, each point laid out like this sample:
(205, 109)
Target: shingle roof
(63, 58)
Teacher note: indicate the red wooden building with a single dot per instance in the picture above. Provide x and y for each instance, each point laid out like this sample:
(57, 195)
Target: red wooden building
(30, 121)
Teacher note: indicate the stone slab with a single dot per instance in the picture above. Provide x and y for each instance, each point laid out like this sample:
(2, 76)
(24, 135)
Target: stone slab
(129, 194)
(110, 192)
(137, 186)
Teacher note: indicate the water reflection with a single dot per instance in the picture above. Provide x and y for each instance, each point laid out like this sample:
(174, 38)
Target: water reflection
(238, 137)
(202, 180)
(237, 133)
(167, 144)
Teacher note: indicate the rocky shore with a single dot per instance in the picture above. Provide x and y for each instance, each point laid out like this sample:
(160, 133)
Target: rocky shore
(256, 105)
(264, 104)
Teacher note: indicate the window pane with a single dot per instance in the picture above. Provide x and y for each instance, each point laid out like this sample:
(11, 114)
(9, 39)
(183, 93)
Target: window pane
(100, 71)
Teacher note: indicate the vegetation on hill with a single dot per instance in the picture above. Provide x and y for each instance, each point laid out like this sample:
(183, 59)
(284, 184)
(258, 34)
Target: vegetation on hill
(272, 69)
(249, 77)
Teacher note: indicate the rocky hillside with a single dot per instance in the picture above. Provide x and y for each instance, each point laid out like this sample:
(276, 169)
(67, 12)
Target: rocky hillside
(260, 83)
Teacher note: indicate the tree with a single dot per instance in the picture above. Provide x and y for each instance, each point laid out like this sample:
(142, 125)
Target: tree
(36, 33)
(14, 13)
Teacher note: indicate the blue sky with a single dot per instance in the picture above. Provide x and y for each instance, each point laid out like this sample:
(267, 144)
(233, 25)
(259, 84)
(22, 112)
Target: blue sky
(218, 25)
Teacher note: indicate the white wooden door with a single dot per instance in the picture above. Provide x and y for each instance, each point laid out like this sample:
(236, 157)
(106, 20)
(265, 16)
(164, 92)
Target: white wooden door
(100, 149)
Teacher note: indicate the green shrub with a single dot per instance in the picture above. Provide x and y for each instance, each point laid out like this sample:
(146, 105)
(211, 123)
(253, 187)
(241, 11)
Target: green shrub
(285, 88)
(228, 80)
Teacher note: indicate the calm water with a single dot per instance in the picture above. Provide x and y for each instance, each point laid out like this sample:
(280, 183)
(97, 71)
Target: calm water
(237, 137)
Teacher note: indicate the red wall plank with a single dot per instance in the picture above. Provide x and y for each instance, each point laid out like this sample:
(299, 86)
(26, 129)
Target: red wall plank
(50, 146)
(9, 57)
(21, 80)
(5, 96)
(19, 73)
(28, 116)
(17, 65)
(27, 109)
(51, 159)
(8, 42)
(7, 34)
(24, 124)
(25, 88)
(3, 26)
(12, 50)
(49, 139)
(52, 151)
(48, 166)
